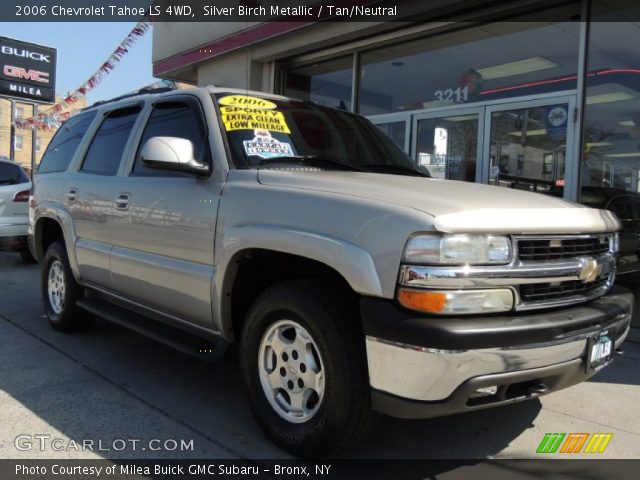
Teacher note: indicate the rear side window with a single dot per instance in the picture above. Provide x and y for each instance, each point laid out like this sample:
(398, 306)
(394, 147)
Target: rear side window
(173, 119)
(106, 149)
(12, 174)
(64, 143)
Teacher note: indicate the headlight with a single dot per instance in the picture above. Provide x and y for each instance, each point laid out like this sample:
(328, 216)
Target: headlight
(457, 249)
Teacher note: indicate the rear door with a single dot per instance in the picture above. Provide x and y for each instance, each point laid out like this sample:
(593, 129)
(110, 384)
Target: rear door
(164, 221)
(90, 191)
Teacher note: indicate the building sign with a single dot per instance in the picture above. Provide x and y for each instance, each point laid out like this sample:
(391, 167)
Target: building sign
(556, 120)
(27, 70)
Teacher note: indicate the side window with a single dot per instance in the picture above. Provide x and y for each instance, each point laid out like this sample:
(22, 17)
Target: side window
(173, 119)
(106, 149)
(64, 143)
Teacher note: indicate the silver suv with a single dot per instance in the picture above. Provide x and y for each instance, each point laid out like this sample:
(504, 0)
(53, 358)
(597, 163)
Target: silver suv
(352, 283)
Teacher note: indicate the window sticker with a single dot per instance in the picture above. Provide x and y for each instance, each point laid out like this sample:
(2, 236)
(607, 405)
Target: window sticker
(244, 101)
(264, 145)
(241, 118)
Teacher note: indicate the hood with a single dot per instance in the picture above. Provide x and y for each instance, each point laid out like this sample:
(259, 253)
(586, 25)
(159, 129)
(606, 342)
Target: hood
(456, 206)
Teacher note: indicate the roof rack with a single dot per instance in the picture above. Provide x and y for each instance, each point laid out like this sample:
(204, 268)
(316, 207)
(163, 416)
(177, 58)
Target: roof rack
(142, 91)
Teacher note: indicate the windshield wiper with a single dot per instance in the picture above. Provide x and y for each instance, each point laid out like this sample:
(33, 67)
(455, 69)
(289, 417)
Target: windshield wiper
(376, 167)
(314, 160)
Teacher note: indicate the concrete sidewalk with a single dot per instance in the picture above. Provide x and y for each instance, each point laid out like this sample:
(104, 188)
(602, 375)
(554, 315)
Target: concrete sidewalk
(109, 384)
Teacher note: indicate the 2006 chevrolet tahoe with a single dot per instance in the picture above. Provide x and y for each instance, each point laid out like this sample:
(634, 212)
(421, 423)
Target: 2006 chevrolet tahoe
(352, 282)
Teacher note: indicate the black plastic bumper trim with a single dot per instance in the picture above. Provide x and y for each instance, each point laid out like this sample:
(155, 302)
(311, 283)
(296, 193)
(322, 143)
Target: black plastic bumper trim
(385, 319)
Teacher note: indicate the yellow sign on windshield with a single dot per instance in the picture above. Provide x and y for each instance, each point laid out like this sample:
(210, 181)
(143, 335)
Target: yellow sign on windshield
(245, 101)
(238, 118)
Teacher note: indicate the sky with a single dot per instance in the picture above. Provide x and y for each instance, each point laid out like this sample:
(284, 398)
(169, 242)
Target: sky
(83, 47)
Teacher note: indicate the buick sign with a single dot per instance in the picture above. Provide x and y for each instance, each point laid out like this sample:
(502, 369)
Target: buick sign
(27, 71)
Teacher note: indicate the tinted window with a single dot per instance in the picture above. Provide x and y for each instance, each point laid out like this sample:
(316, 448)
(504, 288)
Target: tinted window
(173, 119)
(12, 174)
(64, 143)
(107, 147)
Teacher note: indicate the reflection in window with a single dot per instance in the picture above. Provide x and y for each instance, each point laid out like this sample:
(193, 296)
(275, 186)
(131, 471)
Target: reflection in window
(611, 151)
(326, 83)
(528, 148)
(611, 156)
(504, 59)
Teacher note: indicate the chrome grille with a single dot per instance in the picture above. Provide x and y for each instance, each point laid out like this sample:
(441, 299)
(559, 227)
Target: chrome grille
(548, 251)
(545, 292)
(561, 248)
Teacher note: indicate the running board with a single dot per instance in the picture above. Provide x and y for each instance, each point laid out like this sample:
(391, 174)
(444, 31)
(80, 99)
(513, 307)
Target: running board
(209, 351)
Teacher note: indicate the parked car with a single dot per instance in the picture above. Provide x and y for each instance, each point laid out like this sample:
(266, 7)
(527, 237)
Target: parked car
(352, 283)
(15, 188)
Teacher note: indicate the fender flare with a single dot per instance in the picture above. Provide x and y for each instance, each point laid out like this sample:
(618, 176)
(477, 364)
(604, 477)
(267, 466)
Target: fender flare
(351, 261)
(63, 219)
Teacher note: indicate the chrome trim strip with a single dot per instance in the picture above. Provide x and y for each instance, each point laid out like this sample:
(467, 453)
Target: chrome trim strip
(497, 276)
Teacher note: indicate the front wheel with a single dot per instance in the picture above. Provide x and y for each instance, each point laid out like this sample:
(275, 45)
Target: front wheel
(304, 368)
(60, 291)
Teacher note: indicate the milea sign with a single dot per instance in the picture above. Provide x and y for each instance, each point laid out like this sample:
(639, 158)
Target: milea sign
(27, 70)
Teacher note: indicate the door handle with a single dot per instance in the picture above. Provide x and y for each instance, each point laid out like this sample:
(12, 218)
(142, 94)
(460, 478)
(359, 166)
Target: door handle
(122, 201)
(72, 194)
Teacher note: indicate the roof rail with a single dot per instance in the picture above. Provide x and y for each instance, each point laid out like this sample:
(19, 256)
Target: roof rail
(142, 91)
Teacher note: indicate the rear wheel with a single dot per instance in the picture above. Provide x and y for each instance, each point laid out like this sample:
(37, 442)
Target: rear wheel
(60, 291)
(304, 368)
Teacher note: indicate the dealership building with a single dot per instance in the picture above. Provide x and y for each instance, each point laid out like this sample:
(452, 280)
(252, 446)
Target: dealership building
(541, 96)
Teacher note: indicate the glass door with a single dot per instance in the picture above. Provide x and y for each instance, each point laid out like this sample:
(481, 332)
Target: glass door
(449, 143)
(527, 143)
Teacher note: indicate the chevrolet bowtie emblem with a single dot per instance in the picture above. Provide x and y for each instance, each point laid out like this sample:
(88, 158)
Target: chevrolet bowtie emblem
(590, 269)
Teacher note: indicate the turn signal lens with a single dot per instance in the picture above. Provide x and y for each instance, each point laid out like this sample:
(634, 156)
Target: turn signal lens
(425, 301)
(456, 301)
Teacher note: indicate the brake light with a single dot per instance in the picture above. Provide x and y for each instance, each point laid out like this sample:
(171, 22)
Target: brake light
(22, 196)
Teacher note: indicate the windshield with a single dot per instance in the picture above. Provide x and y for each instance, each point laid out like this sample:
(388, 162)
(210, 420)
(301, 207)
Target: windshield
(265, 133)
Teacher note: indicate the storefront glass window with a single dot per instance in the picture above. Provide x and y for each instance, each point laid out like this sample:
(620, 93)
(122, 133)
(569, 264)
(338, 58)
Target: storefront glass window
(499, 60)
(610, 173)
(326, 83)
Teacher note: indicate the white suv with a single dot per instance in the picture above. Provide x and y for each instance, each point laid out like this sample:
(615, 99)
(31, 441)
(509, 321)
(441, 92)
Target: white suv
(15, 188)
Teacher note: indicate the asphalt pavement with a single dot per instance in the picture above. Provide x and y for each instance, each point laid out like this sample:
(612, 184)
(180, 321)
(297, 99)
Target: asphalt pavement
(126, 396)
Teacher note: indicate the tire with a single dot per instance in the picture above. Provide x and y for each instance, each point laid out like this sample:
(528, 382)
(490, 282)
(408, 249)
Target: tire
(330, 381)
(60, 291)
(26, 256)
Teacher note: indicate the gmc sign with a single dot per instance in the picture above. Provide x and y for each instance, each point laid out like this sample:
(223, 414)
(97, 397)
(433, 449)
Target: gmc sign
(27, 70)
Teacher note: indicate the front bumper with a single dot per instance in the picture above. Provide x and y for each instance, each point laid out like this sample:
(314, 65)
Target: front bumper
(429, 366)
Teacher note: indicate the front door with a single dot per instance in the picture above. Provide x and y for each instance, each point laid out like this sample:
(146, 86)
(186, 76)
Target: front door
(448, 144)
(164, 222)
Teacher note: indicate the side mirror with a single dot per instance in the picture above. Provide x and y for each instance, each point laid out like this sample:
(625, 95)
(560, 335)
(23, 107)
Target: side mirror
(172, 153)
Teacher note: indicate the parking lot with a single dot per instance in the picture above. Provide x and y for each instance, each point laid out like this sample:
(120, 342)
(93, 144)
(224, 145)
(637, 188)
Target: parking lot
(110, 384)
